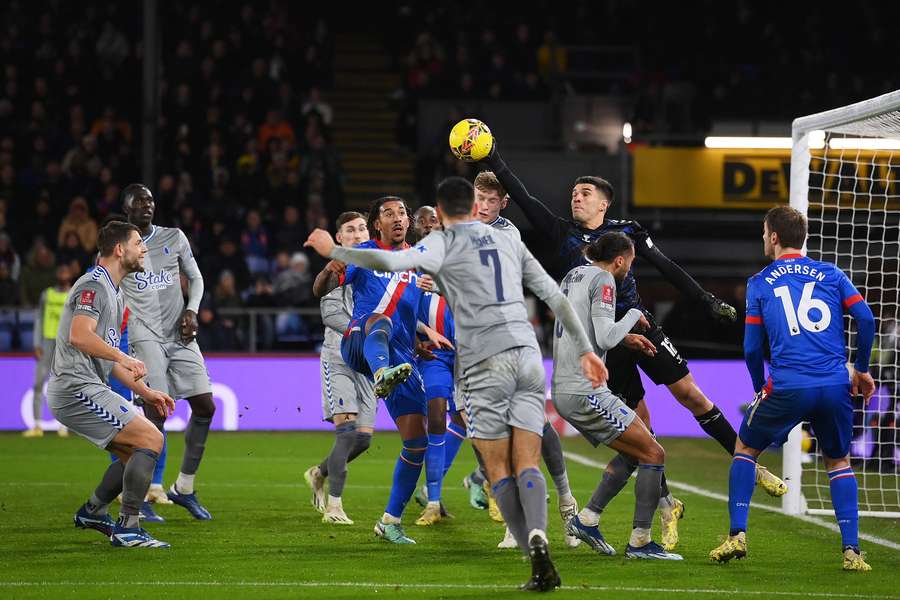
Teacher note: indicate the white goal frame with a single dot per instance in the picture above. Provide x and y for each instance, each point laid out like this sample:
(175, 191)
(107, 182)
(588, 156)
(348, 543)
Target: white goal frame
(794, 503)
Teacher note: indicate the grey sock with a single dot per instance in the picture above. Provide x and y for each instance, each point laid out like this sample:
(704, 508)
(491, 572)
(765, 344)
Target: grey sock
(110, 487)
(646, 494)
(361, 444)
(506, 493)
(533, 496)
(551, 452)
(37, 399)
(136, 480)
(344, 440)
(477, 476)
(614, 479)
(194, 443)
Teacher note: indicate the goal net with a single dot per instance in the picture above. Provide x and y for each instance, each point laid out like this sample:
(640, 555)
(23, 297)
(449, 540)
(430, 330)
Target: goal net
(845, 175)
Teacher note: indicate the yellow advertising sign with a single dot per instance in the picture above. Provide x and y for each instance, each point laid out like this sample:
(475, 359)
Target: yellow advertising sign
(735, 178)
(711, 178)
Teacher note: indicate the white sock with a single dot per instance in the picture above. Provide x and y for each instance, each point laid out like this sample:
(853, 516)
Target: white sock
(538, 532)
(588, 517)
(388, 519)
(434, 503)
(567, 500)
(185, 483)
(156, 487)
(334, 501)
(666, 502)
(639, 537)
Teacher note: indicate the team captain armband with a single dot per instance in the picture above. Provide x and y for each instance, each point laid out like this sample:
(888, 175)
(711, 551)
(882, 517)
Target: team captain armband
(848, 302)
(753, 320)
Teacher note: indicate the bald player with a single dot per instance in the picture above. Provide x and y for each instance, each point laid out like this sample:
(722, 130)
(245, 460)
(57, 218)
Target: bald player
(162, 332)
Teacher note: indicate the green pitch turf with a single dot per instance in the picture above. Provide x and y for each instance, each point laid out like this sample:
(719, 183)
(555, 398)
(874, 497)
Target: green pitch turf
(266, 541)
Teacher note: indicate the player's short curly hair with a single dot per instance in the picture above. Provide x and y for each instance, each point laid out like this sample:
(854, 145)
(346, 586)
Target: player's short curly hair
(790, 225)
(608, 246)
(375, 212)
(601, 184)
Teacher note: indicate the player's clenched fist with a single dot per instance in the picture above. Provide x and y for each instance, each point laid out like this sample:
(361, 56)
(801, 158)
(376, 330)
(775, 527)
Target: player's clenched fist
(320, 241)
(594, 369)
(137, 368)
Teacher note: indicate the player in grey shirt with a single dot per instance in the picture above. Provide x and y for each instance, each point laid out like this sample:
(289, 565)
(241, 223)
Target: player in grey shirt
(162, 332)
(80, 398)
(348, 397)
(601, 416)
(499, 365)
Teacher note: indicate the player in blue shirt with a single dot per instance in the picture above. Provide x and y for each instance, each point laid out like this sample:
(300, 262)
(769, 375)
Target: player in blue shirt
(799, 304)
(381, 341)
(437, 371)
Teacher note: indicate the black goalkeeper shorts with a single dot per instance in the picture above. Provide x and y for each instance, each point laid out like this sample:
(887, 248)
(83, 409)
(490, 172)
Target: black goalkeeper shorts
(667, 367)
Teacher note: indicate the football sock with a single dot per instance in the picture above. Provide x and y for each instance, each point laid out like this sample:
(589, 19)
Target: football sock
(741, 480)
(110, 487)
(344, 440)
(194, 444)
(614, 479)
(375, 346)
(506, 493)
(646, 494)
(361, 443)
(434, 466)
(846, 511)
(453, 440)
(161, 463)
(588, 517)
(477, 476)
(551, 452)
(136, 480)
(184, 483)
(717, 427)
(406, 474)
(533, 496)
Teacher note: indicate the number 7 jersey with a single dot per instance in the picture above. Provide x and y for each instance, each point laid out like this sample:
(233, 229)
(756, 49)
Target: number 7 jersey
(801, 303)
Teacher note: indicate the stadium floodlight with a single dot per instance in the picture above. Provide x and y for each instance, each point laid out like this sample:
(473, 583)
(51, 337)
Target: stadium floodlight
(626, 132)
(850, 193)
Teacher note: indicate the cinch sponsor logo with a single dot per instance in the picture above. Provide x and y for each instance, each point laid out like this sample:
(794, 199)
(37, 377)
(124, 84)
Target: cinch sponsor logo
(153, 281)
(405, 276)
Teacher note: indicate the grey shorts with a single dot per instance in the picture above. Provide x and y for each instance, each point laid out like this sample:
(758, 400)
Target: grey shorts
(504, 391)
(346, 391)
(173, 368)
(94, 412)
(600, 417)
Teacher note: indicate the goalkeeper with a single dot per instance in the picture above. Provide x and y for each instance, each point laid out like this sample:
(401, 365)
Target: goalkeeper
(591, 198)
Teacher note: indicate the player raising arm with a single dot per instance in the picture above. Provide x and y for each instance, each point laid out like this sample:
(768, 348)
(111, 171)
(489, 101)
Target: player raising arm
(800, 303)
(499, 363)
(80, 398)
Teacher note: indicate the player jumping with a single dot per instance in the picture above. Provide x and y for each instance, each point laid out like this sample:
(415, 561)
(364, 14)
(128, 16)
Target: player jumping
(798, 303)
(500, 368)
(348, 398)
(162, 332)
(600, 415)
(380, 341)
(79, 396)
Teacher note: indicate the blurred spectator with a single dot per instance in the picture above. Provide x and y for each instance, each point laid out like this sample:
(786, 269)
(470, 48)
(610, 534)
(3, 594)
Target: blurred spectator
(315, 103)
(255, 243)
(291, 233)
(70, 251)
(9, 289)
(79, 221)
(228, 257)
(9, 257)
(275, 126)
(38, 274)
(216, 334)
(226, 295)
(293, 286)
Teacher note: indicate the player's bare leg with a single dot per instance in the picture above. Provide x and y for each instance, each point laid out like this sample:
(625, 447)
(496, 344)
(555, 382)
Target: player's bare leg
(182, 491)
(688, 394)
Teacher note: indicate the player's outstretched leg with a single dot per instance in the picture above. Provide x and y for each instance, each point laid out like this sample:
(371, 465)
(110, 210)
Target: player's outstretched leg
(182, 491)
(551, 452)
(315, 476)
(406, 475)
(741, 479)
(376, 351)
(344, 442)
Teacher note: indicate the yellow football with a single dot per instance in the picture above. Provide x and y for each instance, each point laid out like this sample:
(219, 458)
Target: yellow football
(471, 140)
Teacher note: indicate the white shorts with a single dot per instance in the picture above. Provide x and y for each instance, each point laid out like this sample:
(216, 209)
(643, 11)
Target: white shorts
(346, 391)
(504, 391)
(94, 412)
(600, 417)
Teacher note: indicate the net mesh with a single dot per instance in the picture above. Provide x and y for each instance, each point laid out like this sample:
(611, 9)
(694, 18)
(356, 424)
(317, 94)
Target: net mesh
(854, 222)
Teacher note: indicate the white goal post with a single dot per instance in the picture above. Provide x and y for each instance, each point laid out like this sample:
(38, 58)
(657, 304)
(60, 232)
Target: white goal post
(845, 176)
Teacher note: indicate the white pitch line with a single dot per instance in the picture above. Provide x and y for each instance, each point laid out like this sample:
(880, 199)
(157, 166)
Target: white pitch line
(436, 586)
(589, 462)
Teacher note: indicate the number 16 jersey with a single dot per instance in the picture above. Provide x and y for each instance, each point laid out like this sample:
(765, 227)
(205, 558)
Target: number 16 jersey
(801, 303)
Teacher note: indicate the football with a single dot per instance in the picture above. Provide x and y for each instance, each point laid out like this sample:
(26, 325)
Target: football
(471, 140)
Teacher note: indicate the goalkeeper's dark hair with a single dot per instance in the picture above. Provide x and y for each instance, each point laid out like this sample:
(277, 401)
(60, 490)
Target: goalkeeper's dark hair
(608, 246)
(601, 184)
(455, 196)
(113, 233)
(790, 225)
(128, 194)
(375, 212)
(346, 217)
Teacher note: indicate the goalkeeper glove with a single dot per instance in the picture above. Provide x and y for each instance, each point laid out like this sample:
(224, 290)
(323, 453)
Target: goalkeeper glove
(719, 309)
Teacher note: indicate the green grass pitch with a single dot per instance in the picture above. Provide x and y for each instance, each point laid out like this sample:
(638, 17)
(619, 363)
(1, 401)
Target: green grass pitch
(266, 541)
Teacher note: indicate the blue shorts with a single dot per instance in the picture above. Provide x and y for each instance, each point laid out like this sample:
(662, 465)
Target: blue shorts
(828, 409)
(408, 397)
(438, 376)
